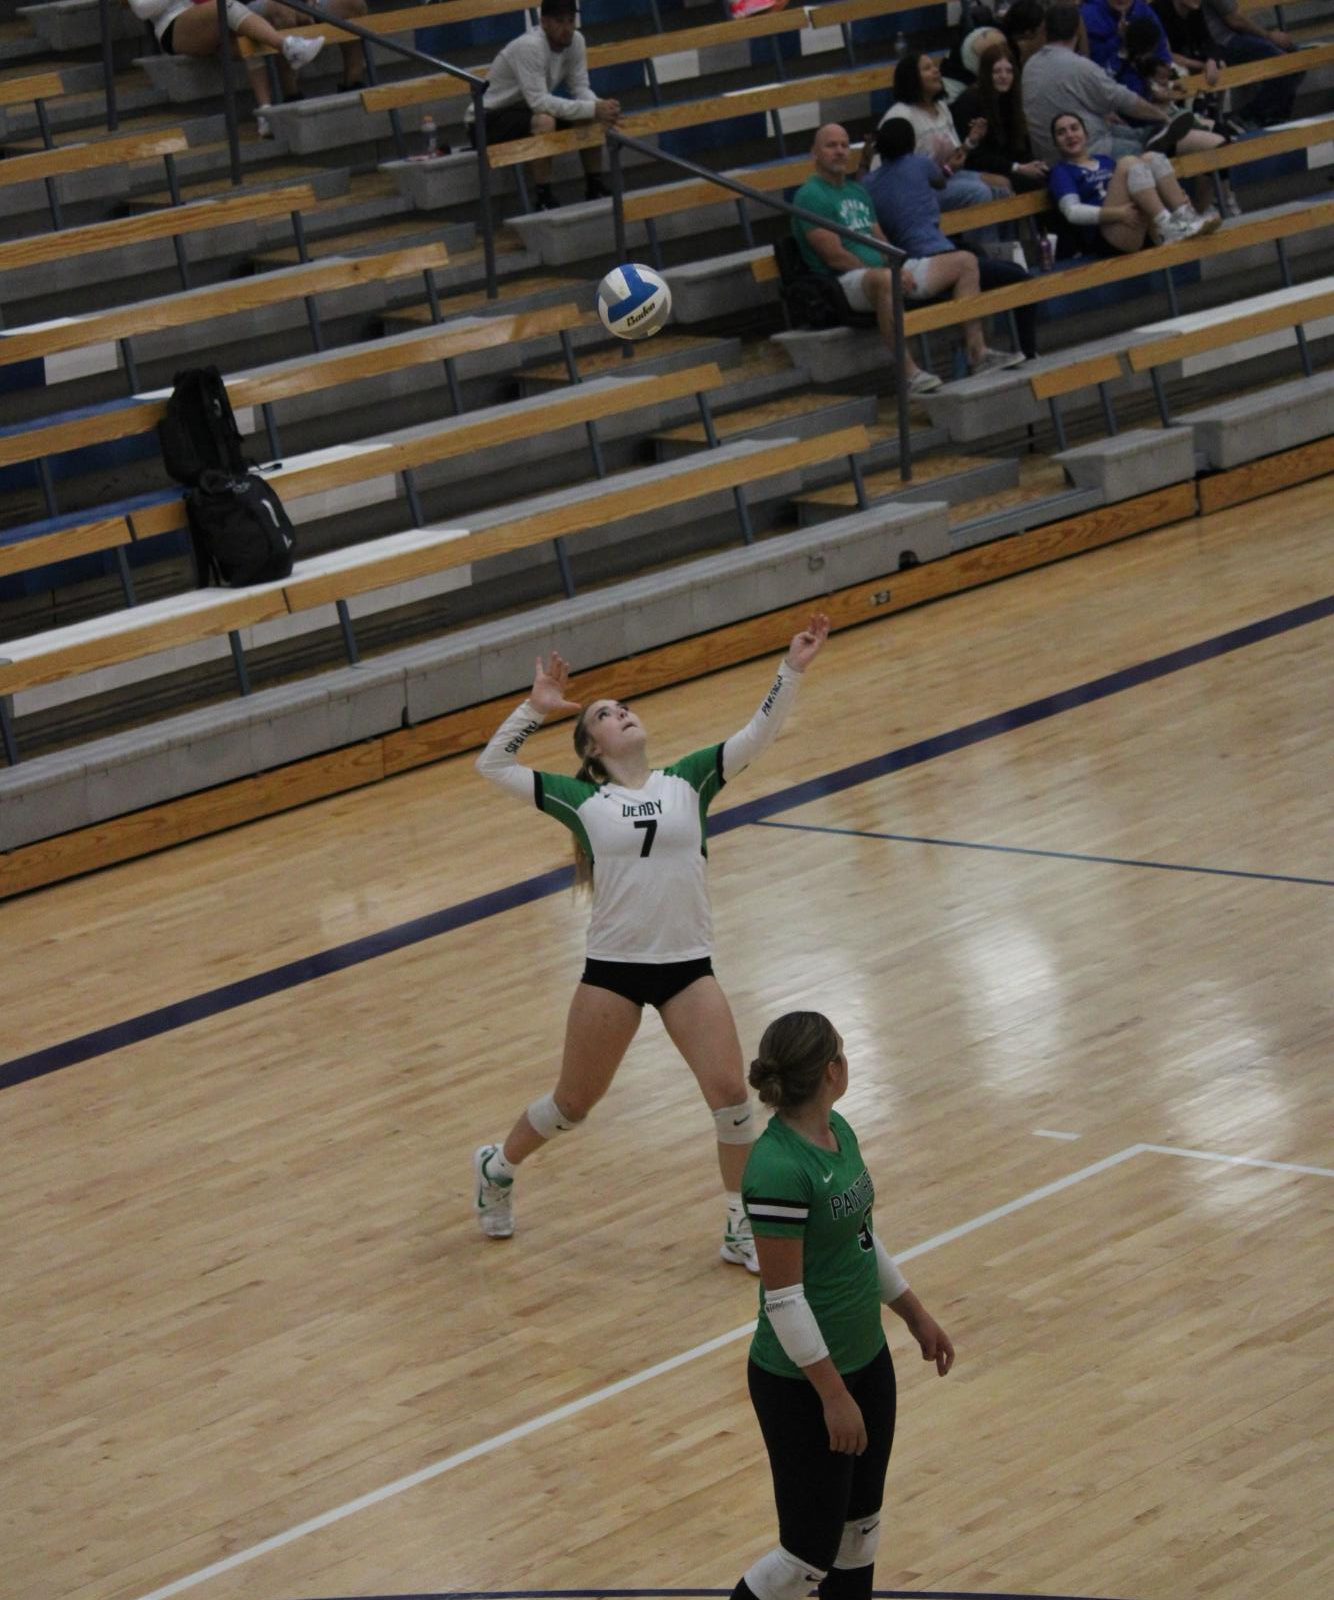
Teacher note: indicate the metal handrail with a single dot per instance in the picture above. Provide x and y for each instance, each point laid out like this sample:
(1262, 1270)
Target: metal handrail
(894, 257)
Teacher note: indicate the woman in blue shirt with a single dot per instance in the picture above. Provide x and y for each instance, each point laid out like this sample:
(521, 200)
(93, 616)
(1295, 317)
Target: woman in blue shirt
(1116, 205)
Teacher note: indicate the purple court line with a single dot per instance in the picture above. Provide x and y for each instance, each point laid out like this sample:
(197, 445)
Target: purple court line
(703, 1594)
(1051, 855)
(152, 1024)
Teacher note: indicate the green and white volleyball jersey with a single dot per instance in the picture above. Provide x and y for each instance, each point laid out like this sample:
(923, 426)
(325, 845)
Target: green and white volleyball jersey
(649, 846)
(795, 1190)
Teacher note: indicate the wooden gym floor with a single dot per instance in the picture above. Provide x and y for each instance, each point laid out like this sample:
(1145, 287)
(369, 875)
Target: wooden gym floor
(1081, 952)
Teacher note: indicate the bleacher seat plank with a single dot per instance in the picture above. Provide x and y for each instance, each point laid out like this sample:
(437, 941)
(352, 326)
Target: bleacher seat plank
(672, 198)
(1078, 375)
(307, 375)
(1115, 269)
(220, 300)
(1258, 147)
(727, 468)
(87, 539)
(68, 158)
(173, 222)
(1247, 324)
(137, 631)
(36, 86)
(692, 113)
(1318, 55)
(649, 46)
(378, 458)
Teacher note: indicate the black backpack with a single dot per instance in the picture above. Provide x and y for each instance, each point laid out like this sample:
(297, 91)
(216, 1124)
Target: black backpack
(242, 534)
(812, 299)
(199, 431)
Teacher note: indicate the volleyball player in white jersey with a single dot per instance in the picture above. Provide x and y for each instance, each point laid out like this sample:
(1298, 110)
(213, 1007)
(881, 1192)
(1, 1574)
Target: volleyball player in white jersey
(640, 841)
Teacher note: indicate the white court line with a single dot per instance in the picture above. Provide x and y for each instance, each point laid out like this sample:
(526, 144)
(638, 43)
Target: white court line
(487, 1446)
(1236, 1161)
(1050, 1133)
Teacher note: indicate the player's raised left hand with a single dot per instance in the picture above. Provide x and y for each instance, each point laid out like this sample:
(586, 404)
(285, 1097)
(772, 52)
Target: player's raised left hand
(807, 644)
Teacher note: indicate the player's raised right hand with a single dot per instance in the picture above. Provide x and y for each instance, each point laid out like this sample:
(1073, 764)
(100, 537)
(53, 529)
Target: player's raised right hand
(550, 681)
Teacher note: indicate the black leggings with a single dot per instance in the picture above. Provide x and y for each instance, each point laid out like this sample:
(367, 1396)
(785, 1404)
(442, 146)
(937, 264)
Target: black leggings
(815, 1490)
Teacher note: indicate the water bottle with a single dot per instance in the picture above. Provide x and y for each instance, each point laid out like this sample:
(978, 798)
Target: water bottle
(430, 143)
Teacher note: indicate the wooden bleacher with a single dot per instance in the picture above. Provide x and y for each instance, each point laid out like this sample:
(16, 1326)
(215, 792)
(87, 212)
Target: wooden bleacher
(323, 579)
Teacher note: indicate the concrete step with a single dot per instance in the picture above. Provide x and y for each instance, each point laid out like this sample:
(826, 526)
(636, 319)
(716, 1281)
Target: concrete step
(1043, 495)
(949, 477)
(86, 106)
(522, 294)
(799, 415)
(326, 182)
(19, 44)
(667, 353)
(77, 24)
(458, 238)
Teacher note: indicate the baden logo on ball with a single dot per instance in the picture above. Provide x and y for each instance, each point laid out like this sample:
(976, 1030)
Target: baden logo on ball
(633, 301)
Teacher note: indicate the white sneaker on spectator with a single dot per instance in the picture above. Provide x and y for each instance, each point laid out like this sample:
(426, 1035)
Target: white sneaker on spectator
(1210, 221)
(997, 361)
(923, 382)
(263, 127)
(1231, 205)
(299, 52)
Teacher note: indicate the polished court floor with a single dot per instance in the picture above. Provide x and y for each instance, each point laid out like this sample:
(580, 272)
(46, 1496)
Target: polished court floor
(1056, 857)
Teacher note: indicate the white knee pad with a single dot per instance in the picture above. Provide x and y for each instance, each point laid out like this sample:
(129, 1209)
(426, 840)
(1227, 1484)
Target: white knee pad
(735, 1124)
(1158, 164)
(546, 1119)
(780, 1576)
(1140, 177)
(860, 1541)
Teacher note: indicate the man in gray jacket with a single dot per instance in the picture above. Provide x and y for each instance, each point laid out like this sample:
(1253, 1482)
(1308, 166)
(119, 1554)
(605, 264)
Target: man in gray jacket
(522, 100)
(1056, 79)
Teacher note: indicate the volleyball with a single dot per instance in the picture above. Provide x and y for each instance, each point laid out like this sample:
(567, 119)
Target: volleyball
(633, 301)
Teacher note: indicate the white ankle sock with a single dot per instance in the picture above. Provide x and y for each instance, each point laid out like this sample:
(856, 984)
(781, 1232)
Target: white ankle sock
(497, 1168)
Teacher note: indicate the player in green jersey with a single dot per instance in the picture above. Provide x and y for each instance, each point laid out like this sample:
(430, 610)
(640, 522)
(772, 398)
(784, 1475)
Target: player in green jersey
(821, 1379)
(641, 843)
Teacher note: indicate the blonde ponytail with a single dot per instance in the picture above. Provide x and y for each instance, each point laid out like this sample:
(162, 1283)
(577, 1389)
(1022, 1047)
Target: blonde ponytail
(591, 771)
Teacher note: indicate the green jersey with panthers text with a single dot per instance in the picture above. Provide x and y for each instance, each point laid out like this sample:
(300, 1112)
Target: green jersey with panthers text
(795, 1190)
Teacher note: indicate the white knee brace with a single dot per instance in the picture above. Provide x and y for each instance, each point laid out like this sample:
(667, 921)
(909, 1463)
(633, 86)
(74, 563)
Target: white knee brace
(780, 1576)
(1140, 177)
(546, 1119)
(1158, 164)
(860, 1541)
(735, 1124)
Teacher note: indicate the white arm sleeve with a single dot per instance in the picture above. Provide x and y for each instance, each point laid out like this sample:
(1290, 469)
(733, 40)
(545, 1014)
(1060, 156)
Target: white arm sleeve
(892, 1281)
(793, 1321)
(499, 760)
(762, 729)
(1078, 214)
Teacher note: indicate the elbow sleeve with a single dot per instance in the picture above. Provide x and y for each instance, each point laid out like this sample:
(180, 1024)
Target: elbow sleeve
(794, 1325)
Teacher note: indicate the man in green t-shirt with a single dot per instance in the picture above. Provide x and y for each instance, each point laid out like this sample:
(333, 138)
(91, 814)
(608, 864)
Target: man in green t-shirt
(861, 270)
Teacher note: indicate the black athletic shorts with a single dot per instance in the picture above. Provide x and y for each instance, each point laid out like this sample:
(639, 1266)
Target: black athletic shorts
(512, 122)
(646, 983)
(165, 40)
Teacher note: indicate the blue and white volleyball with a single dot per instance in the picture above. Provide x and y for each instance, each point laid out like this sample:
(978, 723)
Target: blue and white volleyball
(633, 301)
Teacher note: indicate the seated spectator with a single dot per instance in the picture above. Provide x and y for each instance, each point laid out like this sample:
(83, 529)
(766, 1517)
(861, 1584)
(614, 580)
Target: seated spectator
(919, 91)
(1119, 203)
(905, 190)
(283, 17)
(1106, 23)
(959, 67)
(989, 119)
(1025, 28)
(1238, 39)
(521, 98)
(186, 29)
(1057, 79)
(861, 271)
